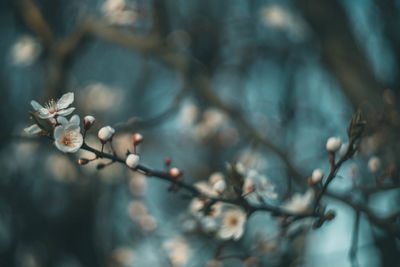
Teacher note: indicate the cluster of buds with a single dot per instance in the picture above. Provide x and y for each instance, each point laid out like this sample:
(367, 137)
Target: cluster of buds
(132, 159)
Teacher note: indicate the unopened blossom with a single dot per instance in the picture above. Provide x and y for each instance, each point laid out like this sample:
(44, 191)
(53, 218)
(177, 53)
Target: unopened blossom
(317, 176)
(25, 51)
(137, 138)
(333, 144)
(132, 161)
(343, 149)
(232, 224)
(175, 172)
(53, 109)
(178, 251)
(374, 164)
(88, 121)
(106, 133)
(299, 203)
(67, 136)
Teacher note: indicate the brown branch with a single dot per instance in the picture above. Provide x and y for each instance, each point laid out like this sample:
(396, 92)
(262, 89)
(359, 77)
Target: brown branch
(163, 175)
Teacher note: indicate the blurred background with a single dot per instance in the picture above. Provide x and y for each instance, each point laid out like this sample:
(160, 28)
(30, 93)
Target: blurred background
(263, 83)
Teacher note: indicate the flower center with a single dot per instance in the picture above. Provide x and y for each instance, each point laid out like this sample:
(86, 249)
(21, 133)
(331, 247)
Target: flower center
(51, 106)
(67, 139)
(233, 221)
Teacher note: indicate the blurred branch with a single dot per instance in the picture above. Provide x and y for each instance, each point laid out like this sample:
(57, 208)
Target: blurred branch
(385, 223)
(341, 53)
(354, 240)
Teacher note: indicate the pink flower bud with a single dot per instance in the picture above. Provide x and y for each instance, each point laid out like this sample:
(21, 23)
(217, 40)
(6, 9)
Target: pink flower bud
(175, 172)
(137, 139)
(88, 121)
(83, 161)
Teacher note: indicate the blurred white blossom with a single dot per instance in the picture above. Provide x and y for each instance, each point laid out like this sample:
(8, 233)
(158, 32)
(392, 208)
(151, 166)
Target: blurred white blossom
(233, 224)
(299, 203)
(123, 256)
(25, 51)
(178, 251)
(374, 163)
(61, 168)
(98, 97)
(119, 12)
(137, 184)
(136, 209)
(257, 186)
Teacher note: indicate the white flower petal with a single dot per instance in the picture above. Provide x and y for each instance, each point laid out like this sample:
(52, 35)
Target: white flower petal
(33, 129)
(65, 112)
(45, 114)
(225, 233)
(62, 120)
(75, 120)
(58, 132)
(238, 233)
(65, 100)
(36, 106)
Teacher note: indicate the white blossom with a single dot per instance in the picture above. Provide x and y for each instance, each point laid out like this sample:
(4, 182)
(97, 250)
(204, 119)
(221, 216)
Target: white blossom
(118, 12)
(106, 133)
(374, 164)
(333, 144)
(220, 186)
(178, 251)
(317, 176)
(147, 223)
(232, 224)
(53, 108)
(67, 136)
(25, 51)
(132, 161)
(257, 185)
(299, 203)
